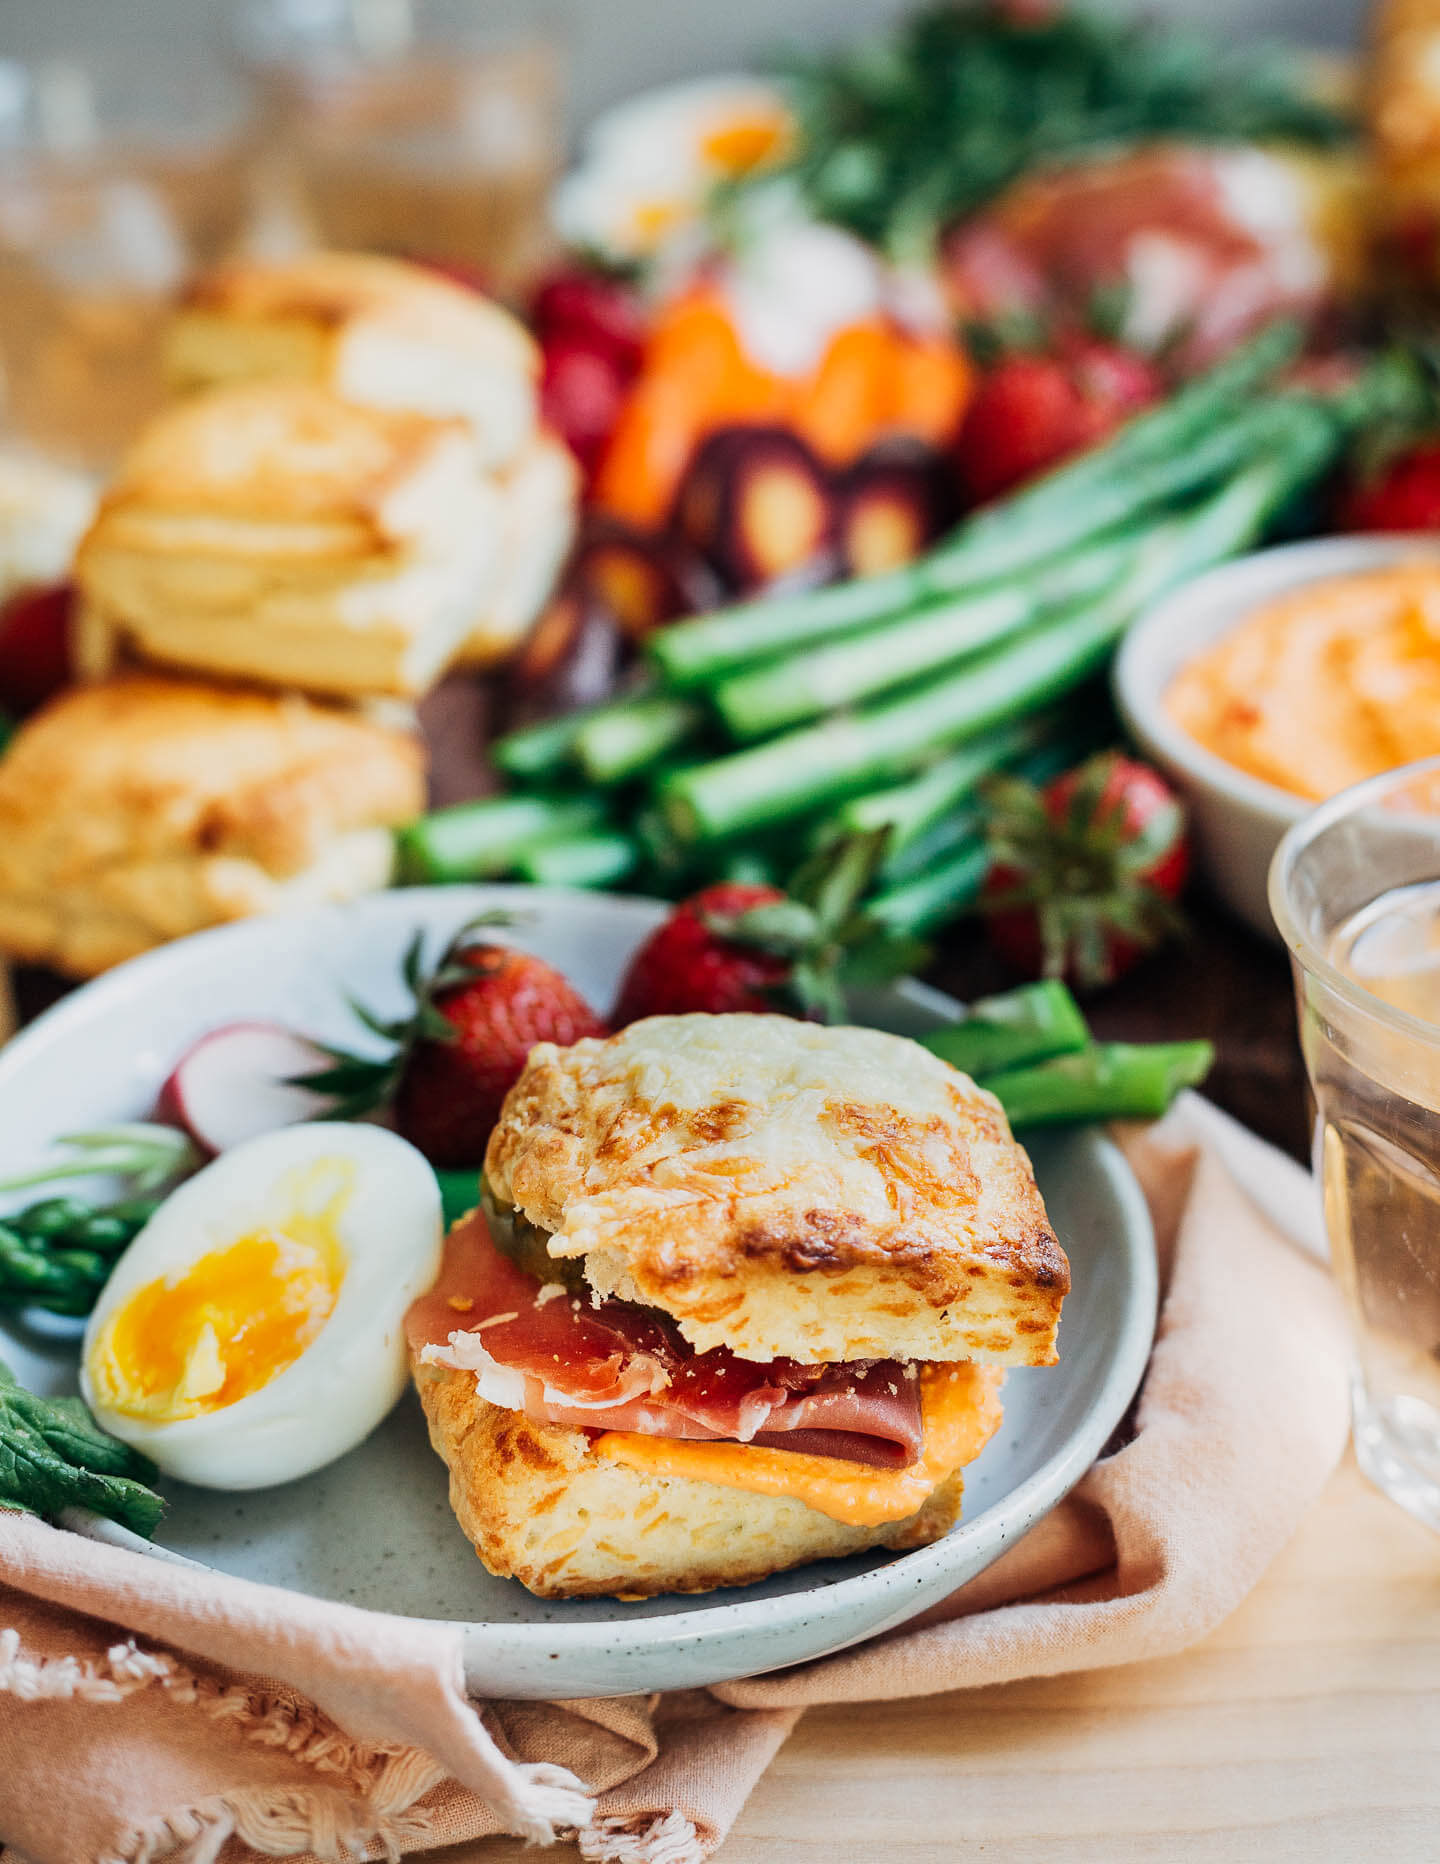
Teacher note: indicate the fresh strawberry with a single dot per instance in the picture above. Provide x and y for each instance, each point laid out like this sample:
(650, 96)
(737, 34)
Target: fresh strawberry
(582, 390)
(751, 948)
(1031, 412)
(35, 645)
(460, 1050)
(1084, 873)
(574, 302)
(1401, 495)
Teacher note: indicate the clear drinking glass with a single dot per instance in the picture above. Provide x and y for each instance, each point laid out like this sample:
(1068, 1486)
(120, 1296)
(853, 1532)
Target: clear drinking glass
(1355, 890)
(114, 186)
(425, 128)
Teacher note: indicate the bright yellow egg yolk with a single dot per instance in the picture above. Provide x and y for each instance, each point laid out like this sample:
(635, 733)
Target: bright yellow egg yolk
(225, 1325)
(743, 142)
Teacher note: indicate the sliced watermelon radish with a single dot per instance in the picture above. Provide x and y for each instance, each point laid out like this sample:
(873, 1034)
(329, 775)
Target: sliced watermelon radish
(234, 1083)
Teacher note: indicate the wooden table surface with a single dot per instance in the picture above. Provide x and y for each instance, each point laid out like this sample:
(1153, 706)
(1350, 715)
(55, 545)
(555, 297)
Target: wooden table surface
(1306, 1727)
(1305, 1730)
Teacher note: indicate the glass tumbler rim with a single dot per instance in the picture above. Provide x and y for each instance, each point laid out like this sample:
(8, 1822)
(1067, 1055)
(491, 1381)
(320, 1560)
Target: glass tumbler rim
(1310, 957)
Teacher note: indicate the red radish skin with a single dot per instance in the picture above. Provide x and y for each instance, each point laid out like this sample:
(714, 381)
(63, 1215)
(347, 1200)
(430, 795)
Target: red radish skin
(233, 1084)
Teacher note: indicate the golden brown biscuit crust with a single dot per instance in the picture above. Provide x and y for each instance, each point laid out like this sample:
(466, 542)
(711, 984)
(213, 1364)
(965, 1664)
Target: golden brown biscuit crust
(538, 1507)
(331, 292)
(787, 1189)
(281, 451)
(142, 808)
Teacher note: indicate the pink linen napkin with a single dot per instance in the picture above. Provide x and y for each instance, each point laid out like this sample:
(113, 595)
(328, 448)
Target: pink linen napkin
(151, 1711)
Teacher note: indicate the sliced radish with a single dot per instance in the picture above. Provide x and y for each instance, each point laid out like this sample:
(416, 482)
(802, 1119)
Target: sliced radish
(234, 1084)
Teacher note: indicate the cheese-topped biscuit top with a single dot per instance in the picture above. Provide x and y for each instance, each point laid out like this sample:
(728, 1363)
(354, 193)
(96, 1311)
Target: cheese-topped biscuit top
(337, 293)
(283, 453)
(141, 768)
(784, 1188)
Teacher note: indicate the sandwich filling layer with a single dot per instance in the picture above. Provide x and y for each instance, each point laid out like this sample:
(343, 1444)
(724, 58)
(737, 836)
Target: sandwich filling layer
(859, 1440)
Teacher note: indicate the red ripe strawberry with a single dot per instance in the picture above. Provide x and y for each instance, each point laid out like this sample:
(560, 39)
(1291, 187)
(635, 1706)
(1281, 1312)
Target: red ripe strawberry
(1033, 411)
(690, 964)
(1085, 872)
(1403, 495)
(461, 1049)
(749, 948)
(35, 645)
(578, 303)
(582, 390)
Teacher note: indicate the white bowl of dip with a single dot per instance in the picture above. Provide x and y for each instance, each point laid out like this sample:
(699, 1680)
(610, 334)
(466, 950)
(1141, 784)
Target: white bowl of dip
(1236, 818)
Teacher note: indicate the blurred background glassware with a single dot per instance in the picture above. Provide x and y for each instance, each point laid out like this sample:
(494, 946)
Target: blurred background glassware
(1355, 890)
(415, 127)
(115, 185)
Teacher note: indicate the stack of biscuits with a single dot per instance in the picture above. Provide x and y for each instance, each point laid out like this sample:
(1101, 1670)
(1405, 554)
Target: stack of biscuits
(350, 493)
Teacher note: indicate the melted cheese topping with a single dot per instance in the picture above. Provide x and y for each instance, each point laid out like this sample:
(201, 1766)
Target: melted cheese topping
(775, 1064)
(960, 1405)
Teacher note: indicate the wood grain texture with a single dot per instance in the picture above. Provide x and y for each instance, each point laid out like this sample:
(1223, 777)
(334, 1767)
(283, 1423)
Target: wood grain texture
(1307, 1727)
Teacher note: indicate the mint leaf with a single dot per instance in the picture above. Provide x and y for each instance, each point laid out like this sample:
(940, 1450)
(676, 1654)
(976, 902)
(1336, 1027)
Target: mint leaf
(53, 1455)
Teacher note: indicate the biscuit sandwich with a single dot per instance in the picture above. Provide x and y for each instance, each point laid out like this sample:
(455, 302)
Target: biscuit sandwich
(140, 809)
(377, 331)
(740, 1295)
(272, 532)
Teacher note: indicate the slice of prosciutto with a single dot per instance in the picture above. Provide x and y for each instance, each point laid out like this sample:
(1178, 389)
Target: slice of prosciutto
(570, 1360)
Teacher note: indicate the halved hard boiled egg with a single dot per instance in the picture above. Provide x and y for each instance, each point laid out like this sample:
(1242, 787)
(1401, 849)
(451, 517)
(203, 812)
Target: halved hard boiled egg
(253, 1331)
(649, 165)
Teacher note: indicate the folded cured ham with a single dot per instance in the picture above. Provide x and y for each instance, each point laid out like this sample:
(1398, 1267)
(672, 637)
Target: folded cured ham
(534, 1347)
(741, 1297)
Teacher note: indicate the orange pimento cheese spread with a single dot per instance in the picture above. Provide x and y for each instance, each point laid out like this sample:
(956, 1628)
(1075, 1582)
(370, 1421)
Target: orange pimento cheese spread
(960, 1406)
(1333, 682)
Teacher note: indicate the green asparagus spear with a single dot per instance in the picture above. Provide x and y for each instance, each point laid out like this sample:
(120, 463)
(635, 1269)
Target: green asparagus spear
(538, 753)
(776, 694)
(624, 740)
(847, 753)
(1107, 1081)
(599, 859)
(1018, 1027)
(961, 828)
(480, 840)
(58, 1254)
(808, 768)
(943, 892)
(908, 809)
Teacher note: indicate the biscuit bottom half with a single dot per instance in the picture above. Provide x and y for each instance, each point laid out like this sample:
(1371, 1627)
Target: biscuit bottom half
(571, 1515)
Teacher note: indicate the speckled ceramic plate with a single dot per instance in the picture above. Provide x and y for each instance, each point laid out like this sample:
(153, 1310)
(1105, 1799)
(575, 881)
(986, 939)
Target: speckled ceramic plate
(375, 1528)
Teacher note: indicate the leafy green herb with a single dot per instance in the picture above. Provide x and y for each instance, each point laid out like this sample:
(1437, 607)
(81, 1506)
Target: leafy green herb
(53, 1455)
(147, 1153)
(899, 136)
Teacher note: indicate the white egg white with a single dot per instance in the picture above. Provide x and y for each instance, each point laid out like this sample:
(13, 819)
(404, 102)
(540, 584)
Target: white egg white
(648, 152)
(331, 1397)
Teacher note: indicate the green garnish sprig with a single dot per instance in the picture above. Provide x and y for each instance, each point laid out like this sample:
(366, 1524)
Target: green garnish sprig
(54, 1456)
